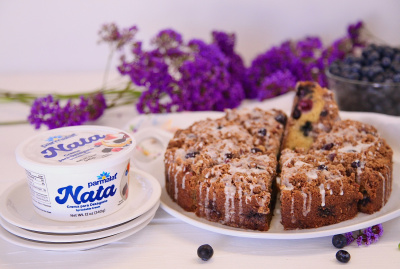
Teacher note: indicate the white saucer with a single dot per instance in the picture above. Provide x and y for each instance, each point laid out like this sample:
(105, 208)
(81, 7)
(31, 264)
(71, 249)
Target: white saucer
(74, 246)
(78, 237)
(16, 207)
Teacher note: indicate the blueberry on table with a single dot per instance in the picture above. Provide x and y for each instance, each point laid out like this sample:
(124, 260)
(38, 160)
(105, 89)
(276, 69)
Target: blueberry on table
(205, 252)
(339, 241)
(343, 256)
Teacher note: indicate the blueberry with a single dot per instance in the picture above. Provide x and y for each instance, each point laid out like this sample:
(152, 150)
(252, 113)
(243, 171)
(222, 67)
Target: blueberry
(255, 150)
(339, 241)
(325, 211)
(396, 58)
(388, 52)
(350, 59)
(396, 78)
(355, 68)
(343, 256)
(303, 91)
(355, 164)
(334, 69)
(374, 71)
(396, 67)
(281, 118)
(205, 252)
(385, 62)
(105, 150)
(306, 128)
(324, 113)
(331, 156)
(365, 200)
(296, 113)
(373, 56)
(262, 132)
(191, 154)
(346, 69)
(327, 146)
(322, 167)
(228, 155)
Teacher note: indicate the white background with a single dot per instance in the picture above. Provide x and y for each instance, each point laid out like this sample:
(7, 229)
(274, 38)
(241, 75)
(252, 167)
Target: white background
(61, 36)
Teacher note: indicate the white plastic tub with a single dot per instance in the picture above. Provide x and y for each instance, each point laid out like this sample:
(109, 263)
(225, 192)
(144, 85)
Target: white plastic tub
(77, 173)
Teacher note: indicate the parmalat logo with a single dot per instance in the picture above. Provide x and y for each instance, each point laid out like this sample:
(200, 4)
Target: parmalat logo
(53, 138)
(103, 178)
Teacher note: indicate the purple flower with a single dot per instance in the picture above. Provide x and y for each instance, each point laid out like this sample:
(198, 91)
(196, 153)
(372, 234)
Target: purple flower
(307, 48)
(110, 33)
(96, 105)
(359, 240)
(289, 57)
(354, 33)
(276, 84)
(224, 41)
(367, 236)
(236, 68)
(193, 77)
(305, 59)
(349, 237)
(48, 111)
(167, 39)
(378, 230)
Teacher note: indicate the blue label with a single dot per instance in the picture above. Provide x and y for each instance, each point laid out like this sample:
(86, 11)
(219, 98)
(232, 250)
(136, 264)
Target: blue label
(51, 152)
(83, 197)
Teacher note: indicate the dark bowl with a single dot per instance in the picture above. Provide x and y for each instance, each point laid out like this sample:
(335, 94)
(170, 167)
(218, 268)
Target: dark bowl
(354, 95)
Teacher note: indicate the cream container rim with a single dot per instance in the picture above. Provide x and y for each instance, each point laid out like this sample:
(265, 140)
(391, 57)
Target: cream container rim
(34, 165)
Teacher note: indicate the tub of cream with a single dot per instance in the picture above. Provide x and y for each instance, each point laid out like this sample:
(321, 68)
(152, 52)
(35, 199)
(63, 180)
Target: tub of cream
(77, 173)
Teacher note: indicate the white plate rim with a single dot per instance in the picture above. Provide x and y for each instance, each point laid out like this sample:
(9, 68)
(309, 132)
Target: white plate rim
(121, 216)
(80, 237)
(74, 246)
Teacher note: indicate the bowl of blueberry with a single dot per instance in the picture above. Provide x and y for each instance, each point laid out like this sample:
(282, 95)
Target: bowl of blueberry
(369, 82)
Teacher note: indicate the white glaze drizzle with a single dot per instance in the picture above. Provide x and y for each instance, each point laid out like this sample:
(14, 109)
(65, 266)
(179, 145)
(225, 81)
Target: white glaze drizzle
(322, 192)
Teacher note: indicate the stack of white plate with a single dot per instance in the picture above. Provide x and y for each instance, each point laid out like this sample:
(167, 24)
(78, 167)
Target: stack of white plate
(21, 225)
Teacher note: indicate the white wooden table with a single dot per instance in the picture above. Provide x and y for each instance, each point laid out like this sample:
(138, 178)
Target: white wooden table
(167, 242)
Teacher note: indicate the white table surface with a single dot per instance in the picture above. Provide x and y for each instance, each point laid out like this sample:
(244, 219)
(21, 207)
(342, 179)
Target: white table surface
(166, 242)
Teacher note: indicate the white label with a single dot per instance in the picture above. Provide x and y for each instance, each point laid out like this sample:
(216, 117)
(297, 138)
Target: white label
(38, 188)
